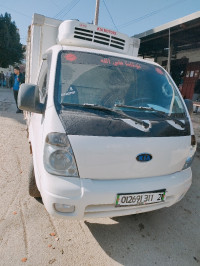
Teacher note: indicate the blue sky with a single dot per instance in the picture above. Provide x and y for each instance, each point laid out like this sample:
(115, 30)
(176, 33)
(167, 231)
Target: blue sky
(128, 16)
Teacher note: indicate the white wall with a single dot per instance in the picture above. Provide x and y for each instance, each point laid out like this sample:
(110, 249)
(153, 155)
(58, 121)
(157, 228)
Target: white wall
(5, 70)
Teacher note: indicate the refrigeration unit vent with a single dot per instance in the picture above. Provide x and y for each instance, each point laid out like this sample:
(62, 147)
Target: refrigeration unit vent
(79, 34)
(98, 37)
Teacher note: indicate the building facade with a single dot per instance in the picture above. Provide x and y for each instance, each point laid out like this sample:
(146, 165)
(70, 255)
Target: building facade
(176, 47)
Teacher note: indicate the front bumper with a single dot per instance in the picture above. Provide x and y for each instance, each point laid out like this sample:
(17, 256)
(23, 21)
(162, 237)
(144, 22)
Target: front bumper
(96, 198)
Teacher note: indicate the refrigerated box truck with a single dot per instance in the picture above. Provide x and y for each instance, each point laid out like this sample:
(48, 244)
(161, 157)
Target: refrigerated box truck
(110, 133)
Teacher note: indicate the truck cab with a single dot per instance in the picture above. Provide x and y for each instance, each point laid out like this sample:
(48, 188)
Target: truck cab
(110, 133)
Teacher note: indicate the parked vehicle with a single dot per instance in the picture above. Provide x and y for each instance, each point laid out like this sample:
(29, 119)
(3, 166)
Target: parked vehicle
(110, 133)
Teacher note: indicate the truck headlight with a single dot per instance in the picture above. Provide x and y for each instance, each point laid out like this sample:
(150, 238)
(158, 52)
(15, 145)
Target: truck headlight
(58, 155)
(190, 157)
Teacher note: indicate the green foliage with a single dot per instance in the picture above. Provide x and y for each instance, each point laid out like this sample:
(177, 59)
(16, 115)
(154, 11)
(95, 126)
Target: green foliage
(11, 50)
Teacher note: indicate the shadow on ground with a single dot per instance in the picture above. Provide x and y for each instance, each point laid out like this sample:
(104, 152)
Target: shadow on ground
(8, 107)
(168, 236)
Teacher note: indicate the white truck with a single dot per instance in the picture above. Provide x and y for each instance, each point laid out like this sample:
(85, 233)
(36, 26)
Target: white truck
(109, 132)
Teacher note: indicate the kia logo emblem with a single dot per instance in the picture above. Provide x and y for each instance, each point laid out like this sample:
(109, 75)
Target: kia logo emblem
(144, 157)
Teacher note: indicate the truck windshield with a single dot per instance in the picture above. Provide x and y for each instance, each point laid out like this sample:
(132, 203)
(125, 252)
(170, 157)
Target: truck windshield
(115, 83)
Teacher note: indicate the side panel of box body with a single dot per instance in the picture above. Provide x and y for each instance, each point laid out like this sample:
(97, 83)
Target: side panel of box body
(41, 36)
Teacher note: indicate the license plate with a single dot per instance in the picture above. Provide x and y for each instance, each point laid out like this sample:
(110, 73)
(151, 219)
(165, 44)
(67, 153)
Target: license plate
(142, 198)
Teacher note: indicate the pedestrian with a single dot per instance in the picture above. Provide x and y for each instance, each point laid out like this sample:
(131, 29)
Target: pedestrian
(15, 81)
(180, 86)
(7, 79)
(2, 78)
(196, 95)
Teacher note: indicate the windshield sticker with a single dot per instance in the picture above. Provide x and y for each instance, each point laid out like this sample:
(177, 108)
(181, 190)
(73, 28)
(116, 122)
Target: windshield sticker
(82, 58)
(118, 63)
(106, 61)
(133, 65)
(121, 63)
(71, 91)
(70, 57)
(159, 71)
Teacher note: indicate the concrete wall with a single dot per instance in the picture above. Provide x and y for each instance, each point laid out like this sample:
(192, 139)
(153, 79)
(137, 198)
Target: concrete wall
(160, 59)
(193, 55)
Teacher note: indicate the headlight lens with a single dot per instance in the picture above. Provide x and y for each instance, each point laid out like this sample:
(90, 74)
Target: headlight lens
(58, 155)
(190, 157)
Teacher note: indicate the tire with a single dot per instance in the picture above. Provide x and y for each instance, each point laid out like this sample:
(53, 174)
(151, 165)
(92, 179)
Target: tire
(32, 187)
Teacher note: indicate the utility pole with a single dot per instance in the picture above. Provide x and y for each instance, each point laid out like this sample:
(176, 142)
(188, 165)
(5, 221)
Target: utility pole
(96, 19)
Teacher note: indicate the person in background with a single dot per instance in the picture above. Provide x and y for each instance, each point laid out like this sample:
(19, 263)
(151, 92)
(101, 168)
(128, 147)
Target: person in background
(196, 95)
(15, 81)
(180, 86)
(7, 79)
(2, 78)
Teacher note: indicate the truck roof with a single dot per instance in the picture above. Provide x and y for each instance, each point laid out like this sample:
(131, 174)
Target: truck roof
(76, 33)
(46, 32)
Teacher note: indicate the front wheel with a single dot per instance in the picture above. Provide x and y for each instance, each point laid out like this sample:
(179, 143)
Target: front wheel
(32, 187)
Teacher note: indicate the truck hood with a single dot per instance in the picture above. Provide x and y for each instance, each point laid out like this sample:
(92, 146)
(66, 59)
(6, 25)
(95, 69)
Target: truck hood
(105, 148)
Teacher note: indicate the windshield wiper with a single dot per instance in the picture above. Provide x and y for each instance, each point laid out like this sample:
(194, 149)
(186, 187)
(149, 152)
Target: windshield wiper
(109, 110)
(161, 113)
(103, 108)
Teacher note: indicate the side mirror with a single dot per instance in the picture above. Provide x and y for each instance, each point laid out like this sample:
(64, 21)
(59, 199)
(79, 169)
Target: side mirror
(28, 99)
(189, 105)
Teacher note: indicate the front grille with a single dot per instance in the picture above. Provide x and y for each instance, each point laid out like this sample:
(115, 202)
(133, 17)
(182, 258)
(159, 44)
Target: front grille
(109, 210)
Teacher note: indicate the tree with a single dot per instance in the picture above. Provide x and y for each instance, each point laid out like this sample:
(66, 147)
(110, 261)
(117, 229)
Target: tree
(11, 50)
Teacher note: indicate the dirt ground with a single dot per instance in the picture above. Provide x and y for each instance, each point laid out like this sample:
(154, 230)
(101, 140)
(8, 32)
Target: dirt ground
(29, 236)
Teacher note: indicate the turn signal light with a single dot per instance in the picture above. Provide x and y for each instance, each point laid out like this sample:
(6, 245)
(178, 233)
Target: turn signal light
(64, 208)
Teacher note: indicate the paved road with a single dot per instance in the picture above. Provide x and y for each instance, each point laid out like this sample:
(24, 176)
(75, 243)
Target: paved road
(166, 237)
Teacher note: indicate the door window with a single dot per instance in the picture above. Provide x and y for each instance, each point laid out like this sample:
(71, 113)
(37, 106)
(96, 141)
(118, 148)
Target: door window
(42, 81)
